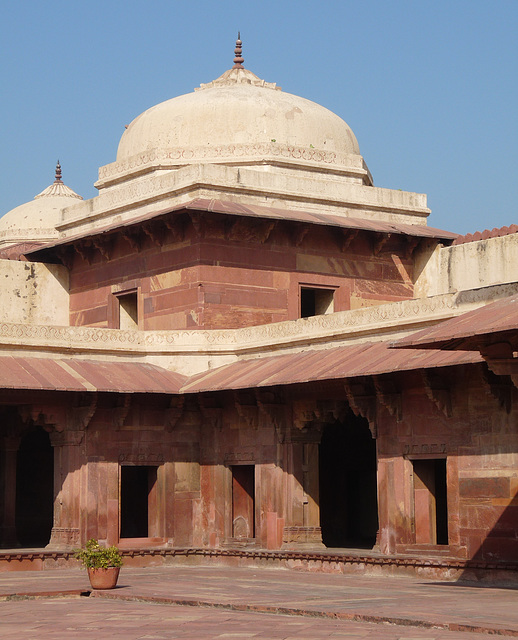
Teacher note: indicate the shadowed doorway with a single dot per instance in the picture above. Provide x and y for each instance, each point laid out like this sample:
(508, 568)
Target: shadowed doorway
(138, 501)
(348, 484)
(34, 489)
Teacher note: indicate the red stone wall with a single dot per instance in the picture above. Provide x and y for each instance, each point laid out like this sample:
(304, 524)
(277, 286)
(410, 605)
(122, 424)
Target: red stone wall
(227, 273)
(457, 415)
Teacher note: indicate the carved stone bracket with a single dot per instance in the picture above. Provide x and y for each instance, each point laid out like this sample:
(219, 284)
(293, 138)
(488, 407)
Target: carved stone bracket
(389, 396)
(176, 226)
(299, 234)
(79, 417)
(348, 236)
(66, 254)
(196, 219)
(211, 411)
(247, 409)
(410, 245)
(499, 379)
(437, 390)
(104, 244)
(133, 238)
(85, 249)
(362, 400)
(380, 240)
(501, 361)
(274, 408)
(154, 230)
(120, 412)
(247, 229)
(307, 422)
(305, 413)
(174, 412)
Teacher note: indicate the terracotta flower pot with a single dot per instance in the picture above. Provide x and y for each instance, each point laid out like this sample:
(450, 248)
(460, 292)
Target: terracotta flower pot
(103, 578)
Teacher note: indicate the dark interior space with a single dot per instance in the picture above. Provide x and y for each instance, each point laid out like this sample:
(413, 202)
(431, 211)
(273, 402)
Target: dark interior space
(431, 476)
(243, 501)
(34, 489)
(137, 483)
(348, 487)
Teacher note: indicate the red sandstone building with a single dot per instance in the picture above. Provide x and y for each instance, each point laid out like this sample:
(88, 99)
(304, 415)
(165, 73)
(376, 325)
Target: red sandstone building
(242, 347)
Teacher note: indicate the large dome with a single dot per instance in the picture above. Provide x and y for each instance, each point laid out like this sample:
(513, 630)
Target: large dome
(236, 109)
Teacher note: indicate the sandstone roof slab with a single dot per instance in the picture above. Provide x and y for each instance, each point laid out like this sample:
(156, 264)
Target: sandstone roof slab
(495, 321)
(369, 358)
(253, 211)
(48, 374)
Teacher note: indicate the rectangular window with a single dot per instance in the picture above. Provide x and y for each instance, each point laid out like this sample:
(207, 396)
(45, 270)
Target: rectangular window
(128, 310)
(315, 301)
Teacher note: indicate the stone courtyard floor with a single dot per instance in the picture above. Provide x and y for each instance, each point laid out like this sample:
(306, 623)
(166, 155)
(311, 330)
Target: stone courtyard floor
(208, 603)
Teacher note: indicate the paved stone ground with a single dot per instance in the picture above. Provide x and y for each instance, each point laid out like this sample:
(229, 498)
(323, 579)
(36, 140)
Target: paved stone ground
(209, 603)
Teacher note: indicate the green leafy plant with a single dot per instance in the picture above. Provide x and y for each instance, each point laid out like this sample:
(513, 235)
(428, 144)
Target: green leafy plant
(94, 556)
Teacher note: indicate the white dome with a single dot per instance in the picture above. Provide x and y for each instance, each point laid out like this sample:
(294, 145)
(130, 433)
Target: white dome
(36, 220)
(236, 109)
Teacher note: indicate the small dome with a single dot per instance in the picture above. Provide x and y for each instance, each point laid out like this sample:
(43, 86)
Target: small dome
(236, 109)
(36, 220)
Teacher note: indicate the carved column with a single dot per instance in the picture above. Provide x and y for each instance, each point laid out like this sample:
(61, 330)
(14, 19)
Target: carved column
(8, 528)
(68, 464)
(302, 528)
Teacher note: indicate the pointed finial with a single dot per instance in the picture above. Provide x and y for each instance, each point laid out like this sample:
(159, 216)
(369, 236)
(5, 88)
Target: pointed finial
(58, 179)
(238, 59)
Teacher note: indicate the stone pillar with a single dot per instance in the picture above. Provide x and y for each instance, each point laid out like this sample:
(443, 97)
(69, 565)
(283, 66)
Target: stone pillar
(302, 528)
(8, 528)
(68, 464)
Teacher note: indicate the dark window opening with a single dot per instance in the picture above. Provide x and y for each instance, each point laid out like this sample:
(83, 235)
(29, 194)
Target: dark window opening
(315, 302)
(243, 501)
(348, 485)
(138, 496)
(34, 489)
(430, 501)
(128, 310)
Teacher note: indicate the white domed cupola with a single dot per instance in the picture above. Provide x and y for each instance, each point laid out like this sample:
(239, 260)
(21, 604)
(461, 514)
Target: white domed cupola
(36, 220)
(237, 120)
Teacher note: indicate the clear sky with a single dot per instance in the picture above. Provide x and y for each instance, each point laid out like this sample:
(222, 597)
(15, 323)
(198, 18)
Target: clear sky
(428, 87)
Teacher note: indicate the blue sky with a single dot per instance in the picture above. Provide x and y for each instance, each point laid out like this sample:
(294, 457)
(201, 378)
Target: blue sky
(429, 88)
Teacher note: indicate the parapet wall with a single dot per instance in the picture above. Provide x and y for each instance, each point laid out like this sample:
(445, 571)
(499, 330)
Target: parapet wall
(472, 265)
(34, 293)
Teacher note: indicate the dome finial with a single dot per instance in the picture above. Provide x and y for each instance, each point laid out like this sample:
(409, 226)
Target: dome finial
(58, 179)
(238, 59)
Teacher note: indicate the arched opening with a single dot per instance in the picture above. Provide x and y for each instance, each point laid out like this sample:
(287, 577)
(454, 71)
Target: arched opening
(34, 489)
(348, 484)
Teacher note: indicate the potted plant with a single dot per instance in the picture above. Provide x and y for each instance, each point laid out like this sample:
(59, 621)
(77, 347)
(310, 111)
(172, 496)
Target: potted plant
(102, 563)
